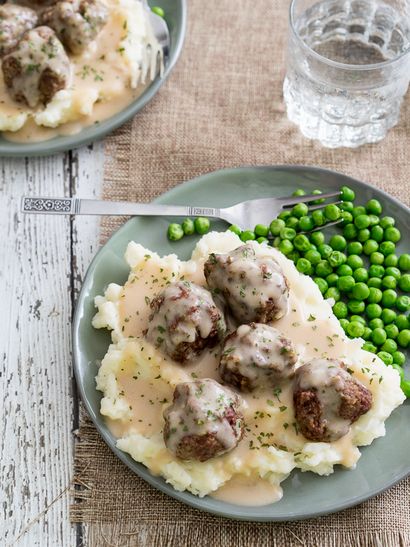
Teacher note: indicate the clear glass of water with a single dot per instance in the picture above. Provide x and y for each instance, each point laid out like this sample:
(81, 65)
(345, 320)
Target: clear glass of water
(348, 68)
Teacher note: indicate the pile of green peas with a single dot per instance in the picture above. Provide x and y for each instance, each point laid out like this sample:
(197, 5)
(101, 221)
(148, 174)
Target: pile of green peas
(358, 268)
(188, 227)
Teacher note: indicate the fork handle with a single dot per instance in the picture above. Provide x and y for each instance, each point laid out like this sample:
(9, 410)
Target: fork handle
(76, 206)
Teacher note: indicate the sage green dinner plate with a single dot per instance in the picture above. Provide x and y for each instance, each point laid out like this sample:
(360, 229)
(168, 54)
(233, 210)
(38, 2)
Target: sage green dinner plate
(306, 495)
(175, 16)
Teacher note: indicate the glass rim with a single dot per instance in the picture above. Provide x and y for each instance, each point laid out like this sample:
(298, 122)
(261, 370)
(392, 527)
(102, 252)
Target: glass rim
(338, 64)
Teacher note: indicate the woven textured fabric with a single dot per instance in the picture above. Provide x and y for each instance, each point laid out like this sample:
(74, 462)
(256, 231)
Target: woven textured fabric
(223, 107)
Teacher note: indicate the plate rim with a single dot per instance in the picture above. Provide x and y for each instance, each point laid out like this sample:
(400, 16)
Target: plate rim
(161, 485)
(9, 149)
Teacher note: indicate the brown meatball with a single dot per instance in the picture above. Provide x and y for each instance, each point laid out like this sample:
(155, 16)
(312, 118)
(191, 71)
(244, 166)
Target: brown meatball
(185, 320)
(254, 288)
(14, 22)
(328, 399)
(76, 22)
(256, 356)
(203, 421)
(37, 68)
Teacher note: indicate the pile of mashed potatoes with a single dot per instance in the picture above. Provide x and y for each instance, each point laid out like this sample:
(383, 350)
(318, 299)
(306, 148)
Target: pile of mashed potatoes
(137, 381)
(108, 75)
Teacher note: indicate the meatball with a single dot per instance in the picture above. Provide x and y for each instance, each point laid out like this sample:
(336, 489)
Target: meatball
(76, 22)
(256, 356)
(14, 22)
(254, 288)
(203, 420)
(37, 68)
(328, 399)
(185, 320)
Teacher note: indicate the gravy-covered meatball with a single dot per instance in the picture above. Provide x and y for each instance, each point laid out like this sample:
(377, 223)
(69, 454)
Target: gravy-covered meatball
(256, 356)
(203, 421)
(254, 288)
(37, 68)
(185, 320)
(328, 399)
(76, 22)
(14, 22)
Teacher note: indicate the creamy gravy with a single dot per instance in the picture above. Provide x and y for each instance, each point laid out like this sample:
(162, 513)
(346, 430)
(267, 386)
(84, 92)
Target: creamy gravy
(101, 85)
(251, 491)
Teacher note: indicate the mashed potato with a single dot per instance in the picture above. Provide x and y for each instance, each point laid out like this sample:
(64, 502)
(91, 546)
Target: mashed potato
(137, 381)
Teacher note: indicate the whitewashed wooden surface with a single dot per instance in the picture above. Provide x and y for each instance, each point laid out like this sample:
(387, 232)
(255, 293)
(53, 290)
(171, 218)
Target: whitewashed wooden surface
(42, 263)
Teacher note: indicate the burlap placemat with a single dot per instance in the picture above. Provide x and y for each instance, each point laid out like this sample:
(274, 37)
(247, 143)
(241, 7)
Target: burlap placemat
(223, 107)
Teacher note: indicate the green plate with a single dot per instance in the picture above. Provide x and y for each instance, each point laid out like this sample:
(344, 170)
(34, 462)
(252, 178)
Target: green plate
(175, 11)
(306, 495)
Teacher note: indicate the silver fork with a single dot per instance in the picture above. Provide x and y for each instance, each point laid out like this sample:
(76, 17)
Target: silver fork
(245, 214)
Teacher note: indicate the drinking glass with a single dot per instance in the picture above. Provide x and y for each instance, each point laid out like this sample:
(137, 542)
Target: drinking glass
(348, 68)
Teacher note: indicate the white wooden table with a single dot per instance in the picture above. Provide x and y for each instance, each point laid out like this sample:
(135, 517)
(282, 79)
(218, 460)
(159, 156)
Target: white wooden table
(42, 263)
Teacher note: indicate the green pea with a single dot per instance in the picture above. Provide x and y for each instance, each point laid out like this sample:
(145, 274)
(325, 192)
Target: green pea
(292, 222)
(356, 306)
(395, 272)
(301, 242)
(276, 226)
(332, 212)
(344, 323)
(294, 256)
(405, 387)
(404, 262)
(262, 240)
(376, 270)
(374, 207)
(374, 220)
(403, 303)
(344, 269)
(367, 346)
(261, 230)
(299, 192)
(373, 311)
(392, 331)
(285, 246)
(362, 221)
(403, 338)
(388, 316)
(306, 223)
(283, 215)
(376, 258)
(317, 238)
(402, 322)
(354, 248)
(387, 248)
(376, 323)
(385, 357)
(347, 194)
(337, 258)
(332, 292)
(304, 266)
(355, 329)
(318, 218)
(340, 310)
(158, 11)
(360, 291)
(332, 279)
(363, 235)
(378, 337)
(375, 295)
(359, 210)
(390, 346)
(399, 358)
(233, 228)
(377, 233)
(276, 242)
(375, 282)
(322, 284)
(175, 232)
(391, 260)
(188, 227)
(346, 217)
(361, 275)
(389, 282)
(359, 318)
(392, 234)
(404, 283)
(203, 224)
(355, 261)
(367, 333)
(317, 193)
(323, 268)
(247, 235)
(345, 283)
(313, 257)
(346, 206)
(338, 243)
(386, 222)
(325, 250)
(288, 233)
(389, 298)
(300, 210)
(370, 246)
(350, 231)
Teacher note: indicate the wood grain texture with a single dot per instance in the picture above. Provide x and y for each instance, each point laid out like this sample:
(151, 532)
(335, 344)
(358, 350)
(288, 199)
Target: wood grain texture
(42, 262)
